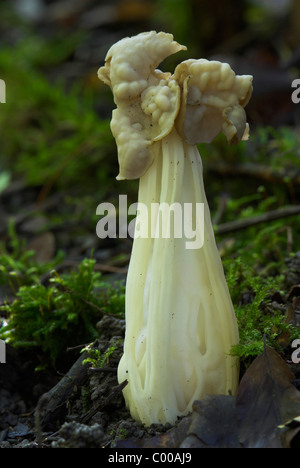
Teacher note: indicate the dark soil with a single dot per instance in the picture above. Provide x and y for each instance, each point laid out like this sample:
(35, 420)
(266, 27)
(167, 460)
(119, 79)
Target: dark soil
(82, 409)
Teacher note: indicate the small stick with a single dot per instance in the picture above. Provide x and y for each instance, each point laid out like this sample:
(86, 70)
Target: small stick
(273, 215)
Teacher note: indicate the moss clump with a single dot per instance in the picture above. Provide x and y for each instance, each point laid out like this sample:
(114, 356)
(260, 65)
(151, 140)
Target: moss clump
(260, 322)
(18, 266)
(50, 319)
(96, 358)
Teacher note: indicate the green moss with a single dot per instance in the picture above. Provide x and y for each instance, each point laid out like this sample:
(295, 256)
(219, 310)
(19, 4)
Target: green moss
(55, 137)
(18, 266)
(64, 314)
(98, 359)
(259, 322)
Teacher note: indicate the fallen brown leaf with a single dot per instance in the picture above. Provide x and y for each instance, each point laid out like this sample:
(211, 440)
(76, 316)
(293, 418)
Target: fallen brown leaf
(264, 414)
(214, 424)
(266, 399)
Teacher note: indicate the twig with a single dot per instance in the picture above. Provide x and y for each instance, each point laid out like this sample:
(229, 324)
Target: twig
(221, 209)
(81, 346)
(73, 263)
(273, 215)
(258, 171)
(53, 403)
(41, 405)
(98, 370)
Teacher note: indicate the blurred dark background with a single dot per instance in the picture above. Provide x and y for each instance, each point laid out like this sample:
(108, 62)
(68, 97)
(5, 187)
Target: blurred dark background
(58, 160)
(257, 37)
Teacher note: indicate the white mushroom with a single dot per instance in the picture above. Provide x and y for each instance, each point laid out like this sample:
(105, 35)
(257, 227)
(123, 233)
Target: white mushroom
(180, 322)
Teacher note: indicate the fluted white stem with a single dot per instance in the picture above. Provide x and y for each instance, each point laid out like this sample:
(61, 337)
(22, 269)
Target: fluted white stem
(180, 322)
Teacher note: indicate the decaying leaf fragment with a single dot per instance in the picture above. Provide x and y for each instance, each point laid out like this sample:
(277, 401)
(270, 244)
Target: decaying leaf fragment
(266, 399)
(214, 424)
